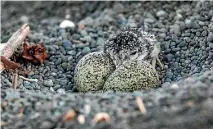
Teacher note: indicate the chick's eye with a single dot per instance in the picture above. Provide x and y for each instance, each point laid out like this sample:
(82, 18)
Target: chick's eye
(133, 53)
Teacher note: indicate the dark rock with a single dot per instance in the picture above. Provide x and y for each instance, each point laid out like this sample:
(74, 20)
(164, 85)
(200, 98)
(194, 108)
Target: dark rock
(48, 83)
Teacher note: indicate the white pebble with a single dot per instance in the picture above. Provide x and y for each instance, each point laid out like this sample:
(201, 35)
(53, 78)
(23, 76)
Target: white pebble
(174, 86)
(67, 23)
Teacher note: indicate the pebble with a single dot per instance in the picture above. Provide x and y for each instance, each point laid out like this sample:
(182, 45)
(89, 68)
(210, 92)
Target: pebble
(86, 38)
(100, 33)
(76, 36)
(161, 13)
(210, 37)
(56, 87)
(61, 91)
(66, 43)
(169, 75)
(72, 52)
(46, 125)
(188, 23)
(118, 7)
(67, 24)
(51, 89)
(48, 83)
(64, 65)
(211, 45)
(89, 21)
(63, 82)
(58, 61)
(86, 50)
(170, 57)
(80, 45)
(24, 19)
(70, 58)
(148, 20)
(176, 29)
(100, 41)
(83, 33)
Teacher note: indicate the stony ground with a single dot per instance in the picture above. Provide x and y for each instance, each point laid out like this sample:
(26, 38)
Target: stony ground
(185, 30)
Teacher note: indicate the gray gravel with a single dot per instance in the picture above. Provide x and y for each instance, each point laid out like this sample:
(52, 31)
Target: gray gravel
(185, 30)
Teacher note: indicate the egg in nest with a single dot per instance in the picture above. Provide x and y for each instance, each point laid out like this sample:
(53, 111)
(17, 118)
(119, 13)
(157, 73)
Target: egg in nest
(132, 75)
(92, 71)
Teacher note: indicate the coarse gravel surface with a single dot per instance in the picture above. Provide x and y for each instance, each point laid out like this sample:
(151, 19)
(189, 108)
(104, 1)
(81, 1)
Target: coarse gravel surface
(184, 100)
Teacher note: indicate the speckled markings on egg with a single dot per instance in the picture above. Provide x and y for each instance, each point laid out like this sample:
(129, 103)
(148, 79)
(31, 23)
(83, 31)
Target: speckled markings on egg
(132, 75)
(92, 71)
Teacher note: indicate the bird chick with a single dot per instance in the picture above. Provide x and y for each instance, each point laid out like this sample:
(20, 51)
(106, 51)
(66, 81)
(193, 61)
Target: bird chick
(133, 43)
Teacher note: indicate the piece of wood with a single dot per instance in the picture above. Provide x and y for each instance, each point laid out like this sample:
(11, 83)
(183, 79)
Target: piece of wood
(16, 40)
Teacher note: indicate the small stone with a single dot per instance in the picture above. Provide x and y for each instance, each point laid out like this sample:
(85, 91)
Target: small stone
(64, 65)
(53, 74)
(64, 82)
(181, 44)
(175, 29)
(118, 7)
(83, 33)
(149, 20)
(48, 83)
(24, 19)
(86, 50)
(162, 35)
(188, 23)
(169, 75)
(204, 33)
(56, 87)
(211, 45)
(201, 23)
(182, 26)
(51, 89)
(67, 24)
(46, 125)
(89, 21)
(161, 13)
(210, 37)
(66, 43)
(80, 45)
(76, 36)
(174, 37)
(58, 61)
(70, 58)
(60, 43)
(169, 57)
(100, 33)
(61, 91)
(174, 86)
(86, 38)
(100, 41)
(72, 52)
(195, 25)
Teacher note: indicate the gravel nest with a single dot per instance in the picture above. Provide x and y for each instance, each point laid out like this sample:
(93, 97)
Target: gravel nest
(185, 30)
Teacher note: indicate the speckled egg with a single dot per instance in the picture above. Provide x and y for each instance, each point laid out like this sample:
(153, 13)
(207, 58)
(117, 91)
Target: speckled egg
(92, 71)
(132, 75)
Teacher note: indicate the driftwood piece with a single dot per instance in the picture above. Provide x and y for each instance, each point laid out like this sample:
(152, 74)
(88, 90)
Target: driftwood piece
(16, 40)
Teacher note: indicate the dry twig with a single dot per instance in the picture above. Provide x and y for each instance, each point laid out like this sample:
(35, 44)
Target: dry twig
(13, 43)
(15, 81)
(28, 79)
(141, 105)
(70, 115)
(102, 116)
